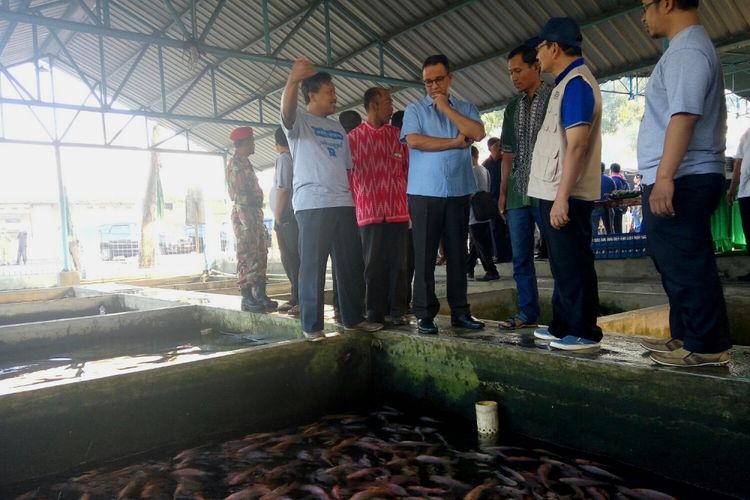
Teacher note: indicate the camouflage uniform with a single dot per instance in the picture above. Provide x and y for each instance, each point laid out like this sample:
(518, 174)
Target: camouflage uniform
(247, 220)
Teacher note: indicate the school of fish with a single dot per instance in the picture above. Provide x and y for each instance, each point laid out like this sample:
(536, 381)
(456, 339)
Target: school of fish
(384, 454)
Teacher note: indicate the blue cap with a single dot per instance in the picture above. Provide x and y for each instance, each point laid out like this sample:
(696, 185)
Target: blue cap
(563, 30)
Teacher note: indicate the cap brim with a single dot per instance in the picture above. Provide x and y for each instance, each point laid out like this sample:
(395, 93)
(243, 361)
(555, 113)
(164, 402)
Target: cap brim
(533, 42)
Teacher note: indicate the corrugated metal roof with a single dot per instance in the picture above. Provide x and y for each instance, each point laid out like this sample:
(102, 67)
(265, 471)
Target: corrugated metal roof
(475, 34)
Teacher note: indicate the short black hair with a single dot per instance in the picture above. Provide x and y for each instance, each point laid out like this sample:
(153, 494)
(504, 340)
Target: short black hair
(437, 59)
(313, 84)
(570, 50)
(371, 94)
(397, 120)
(491, 142)
(615, 168)
(528, 53)
(280, 137)
(474, 152)
(685, 4)
(350, 120)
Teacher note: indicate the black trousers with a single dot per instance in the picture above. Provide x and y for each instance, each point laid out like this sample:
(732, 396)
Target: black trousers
(433, 218)
(745, 216)
(409, 268)
(575, 301)
(287, 234)
(501, 247)
(324, 231)
(384, 249)
(617, 220)
(480, 245)
(683, 252)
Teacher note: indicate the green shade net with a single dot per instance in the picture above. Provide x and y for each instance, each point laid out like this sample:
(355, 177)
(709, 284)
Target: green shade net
(738, 235)
(726, 226)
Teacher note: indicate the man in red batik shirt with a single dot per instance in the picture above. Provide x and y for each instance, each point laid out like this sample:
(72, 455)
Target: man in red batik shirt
(378, 184)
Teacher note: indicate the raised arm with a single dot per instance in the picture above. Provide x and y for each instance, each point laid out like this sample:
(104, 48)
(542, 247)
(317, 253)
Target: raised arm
(470, 128)
(301, 69)
(428, 143)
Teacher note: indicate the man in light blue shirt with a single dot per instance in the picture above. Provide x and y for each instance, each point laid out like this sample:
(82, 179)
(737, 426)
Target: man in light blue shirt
(439, 130)
(681, 146)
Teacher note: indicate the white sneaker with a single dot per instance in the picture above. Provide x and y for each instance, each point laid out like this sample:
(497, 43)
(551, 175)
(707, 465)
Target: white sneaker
(314, 336)
(542, 333)
(573, 343)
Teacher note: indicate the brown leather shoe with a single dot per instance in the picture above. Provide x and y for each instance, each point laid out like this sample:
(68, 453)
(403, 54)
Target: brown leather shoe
(684, 359)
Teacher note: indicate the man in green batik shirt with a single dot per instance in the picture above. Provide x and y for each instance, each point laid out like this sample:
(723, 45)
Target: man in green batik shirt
(522, 120)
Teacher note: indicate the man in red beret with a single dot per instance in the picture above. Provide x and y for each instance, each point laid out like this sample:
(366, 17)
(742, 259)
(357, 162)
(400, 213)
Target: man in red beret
(247, 220)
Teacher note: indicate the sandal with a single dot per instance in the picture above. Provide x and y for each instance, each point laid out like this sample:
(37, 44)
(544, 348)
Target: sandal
(515, 323)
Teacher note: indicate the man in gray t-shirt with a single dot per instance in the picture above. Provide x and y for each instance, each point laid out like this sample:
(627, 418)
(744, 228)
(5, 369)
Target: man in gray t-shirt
(322, 201)
(681, 155)
(285, 225)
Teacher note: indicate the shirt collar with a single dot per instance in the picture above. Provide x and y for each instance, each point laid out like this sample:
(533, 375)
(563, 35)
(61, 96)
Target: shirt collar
(539, 89)
(571, 67)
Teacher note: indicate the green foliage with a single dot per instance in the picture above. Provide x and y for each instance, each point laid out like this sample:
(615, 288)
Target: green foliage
(493, 122)
(621, 114)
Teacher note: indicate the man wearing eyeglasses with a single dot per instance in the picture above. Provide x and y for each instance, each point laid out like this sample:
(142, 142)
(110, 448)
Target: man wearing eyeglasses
(565, 178)
(681, 146)
(439, 130)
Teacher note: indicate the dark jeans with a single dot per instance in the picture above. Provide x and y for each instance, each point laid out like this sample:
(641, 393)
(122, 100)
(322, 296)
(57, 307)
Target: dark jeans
(434, 218)
(324, 231)
(384, 247)
(683, 252)
(287, 234)
(480, 245)
(575, 302)
(603, 214)
(521, 222)
(745, 216)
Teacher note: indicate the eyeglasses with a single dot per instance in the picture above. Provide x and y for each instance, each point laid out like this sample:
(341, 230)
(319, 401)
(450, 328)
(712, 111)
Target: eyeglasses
(433, 81)
(543, 44)
(645, 6)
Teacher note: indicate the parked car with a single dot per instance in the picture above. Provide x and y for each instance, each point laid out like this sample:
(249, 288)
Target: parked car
(119, 240)
(172, 242)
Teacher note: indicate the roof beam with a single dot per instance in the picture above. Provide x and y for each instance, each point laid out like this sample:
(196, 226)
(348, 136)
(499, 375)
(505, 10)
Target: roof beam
(589, 23)
(138, 112)
(355, 21)
(296, 28)
(10, 29)
(210, 24)
(89, 13)
(177, 19)
(722, 45)
(165, 41)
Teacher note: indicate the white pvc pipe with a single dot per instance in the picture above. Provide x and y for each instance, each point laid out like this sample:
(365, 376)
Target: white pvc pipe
(488, 422)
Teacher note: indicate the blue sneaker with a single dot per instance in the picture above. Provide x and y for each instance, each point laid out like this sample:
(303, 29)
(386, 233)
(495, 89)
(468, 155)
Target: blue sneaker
(542, 333)
(573, 343)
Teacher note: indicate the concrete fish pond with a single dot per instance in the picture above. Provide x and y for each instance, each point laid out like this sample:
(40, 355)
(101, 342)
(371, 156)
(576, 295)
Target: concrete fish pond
(380, 454)
(152, 383)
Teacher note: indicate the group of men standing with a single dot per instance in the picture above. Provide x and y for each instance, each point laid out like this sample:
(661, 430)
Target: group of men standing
(550, 177)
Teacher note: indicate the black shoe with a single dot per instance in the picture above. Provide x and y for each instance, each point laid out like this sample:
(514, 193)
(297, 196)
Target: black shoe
(489, 277)
(744, 277)
(249, 302)
(427, 326)
(397, 320)
(259, 292)
(466, 321)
